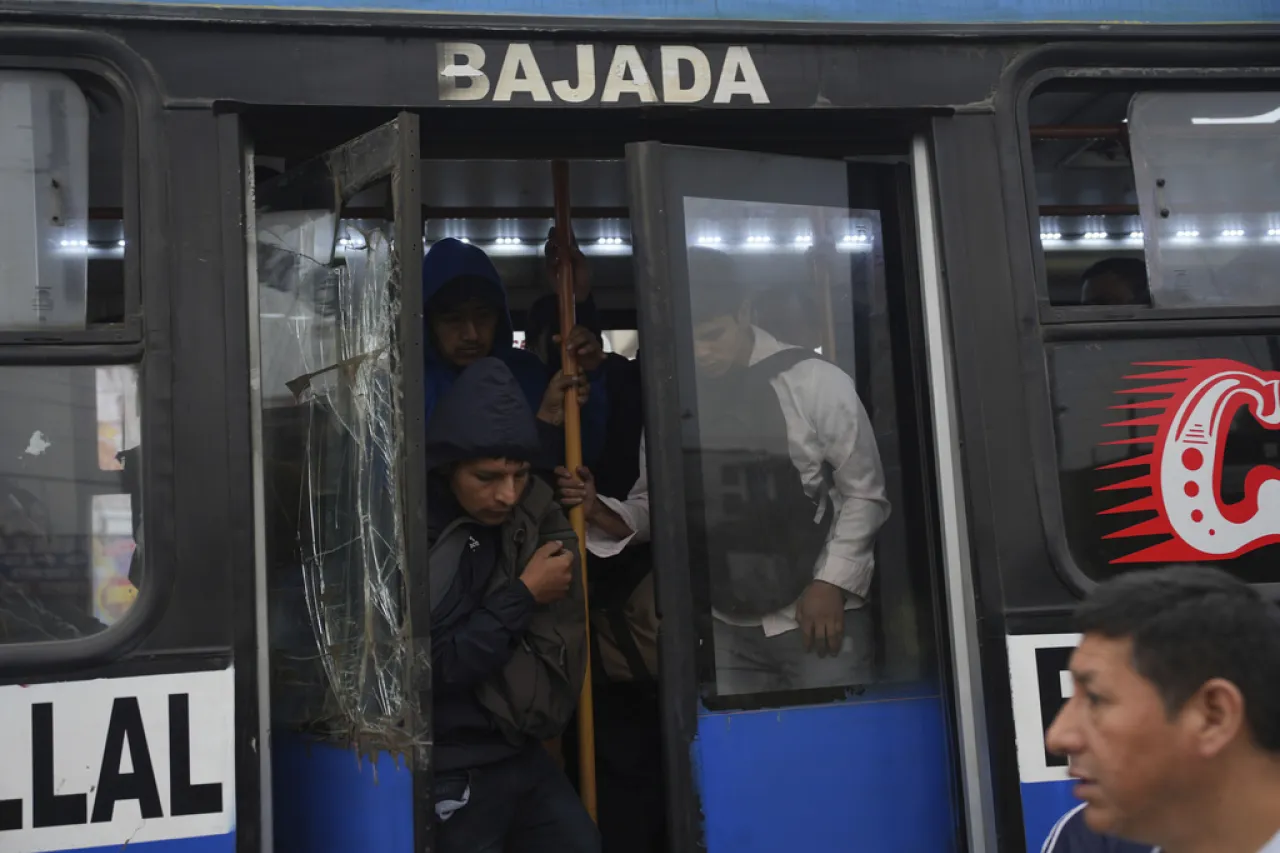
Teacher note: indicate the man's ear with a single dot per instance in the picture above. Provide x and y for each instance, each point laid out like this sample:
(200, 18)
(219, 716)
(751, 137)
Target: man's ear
(1215, 716)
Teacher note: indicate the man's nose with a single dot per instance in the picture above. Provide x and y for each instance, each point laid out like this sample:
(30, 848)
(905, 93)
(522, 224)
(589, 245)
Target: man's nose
(470, 330)
(506, 494)
(1063, 737)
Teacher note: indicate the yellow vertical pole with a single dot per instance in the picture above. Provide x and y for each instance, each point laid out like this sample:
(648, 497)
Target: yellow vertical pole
(573, 459)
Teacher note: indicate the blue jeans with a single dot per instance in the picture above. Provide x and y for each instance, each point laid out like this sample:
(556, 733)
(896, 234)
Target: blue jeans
(523, 804)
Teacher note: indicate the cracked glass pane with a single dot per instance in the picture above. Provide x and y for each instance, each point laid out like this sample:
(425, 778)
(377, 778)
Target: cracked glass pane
(339, 630)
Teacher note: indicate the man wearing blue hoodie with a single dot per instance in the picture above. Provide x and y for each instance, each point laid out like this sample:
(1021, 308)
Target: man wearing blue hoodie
(467, 319)
(508, 627)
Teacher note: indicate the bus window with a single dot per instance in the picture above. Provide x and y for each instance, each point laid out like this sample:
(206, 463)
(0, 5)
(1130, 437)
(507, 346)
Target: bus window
(68, 520)
(1167, 452)
(1090, 231)
(70, 472)
(61, 224)
(1166, 440)
(1208, 173)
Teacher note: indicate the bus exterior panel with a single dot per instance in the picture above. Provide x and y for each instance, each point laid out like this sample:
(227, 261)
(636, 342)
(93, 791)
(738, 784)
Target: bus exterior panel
(892, 12)
(964, 103)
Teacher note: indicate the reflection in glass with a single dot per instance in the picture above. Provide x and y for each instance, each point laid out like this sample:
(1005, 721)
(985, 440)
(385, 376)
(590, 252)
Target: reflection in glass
(44, 201)
(113, 551)
(786, 488)
(1105, 470)
(68, 523)
(1207, 168)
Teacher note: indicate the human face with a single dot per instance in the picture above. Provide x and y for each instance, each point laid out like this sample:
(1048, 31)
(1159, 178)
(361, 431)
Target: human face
(1133, 761)
(719, 344)
(464, 334)
(488, 489)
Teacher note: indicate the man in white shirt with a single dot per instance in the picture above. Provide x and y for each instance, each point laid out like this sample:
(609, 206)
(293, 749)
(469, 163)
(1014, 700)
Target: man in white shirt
(1173, 729)
(804, 529)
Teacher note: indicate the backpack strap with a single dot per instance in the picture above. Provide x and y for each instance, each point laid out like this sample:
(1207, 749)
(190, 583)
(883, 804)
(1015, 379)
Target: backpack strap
(782, 361)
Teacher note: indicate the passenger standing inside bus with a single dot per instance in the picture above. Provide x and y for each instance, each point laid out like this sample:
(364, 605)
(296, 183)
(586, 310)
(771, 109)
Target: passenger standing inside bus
(793, 497)
(616, 465)
(1115, 281)
(508, 632)
(1173, 728)
(467, 319)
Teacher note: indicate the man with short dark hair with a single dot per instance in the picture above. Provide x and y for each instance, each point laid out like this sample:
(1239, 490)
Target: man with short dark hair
(1115, 281)
(508, 628)
(1173, 728)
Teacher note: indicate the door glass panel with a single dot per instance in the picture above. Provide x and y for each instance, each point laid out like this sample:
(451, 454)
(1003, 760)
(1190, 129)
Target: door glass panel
(788, 477)
(795, 502)
(333, 427)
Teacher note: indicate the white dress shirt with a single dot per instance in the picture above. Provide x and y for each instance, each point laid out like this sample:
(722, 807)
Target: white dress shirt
(826, 422)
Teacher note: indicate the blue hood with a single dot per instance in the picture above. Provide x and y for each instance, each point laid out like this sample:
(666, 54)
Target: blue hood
(483, 416)
(448, 261)
(451, 259)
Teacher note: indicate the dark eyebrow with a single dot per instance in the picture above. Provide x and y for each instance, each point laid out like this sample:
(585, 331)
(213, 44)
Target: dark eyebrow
(1082, 678)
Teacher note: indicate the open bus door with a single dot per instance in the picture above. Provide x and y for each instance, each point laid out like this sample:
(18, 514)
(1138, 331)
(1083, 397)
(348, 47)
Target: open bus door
(342, 506)
(768, 746)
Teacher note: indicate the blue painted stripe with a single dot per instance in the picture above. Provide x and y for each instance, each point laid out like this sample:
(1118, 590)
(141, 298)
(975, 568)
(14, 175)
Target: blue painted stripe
(871, 774)
(1042, 804)
(827, 11)
(201, 844)
(331, 799)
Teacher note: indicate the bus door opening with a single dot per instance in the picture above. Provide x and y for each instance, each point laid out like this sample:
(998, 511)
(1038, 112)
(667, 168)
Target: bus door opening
(334, 260)
(795, 575)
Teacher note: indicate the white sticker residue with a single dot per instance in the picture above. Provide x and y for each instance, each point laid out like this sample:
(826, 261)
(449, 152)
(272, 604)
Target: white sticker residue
(38, 444)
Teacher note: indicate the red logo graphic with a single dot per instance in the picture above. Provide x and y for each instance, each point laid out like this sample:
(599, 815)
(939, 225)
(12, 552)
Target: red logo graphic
(1184, 468)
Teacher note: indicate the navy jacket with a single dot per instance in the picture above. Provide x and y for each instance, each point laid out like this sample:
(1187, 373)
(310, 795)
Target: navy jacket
(473, 631)
(451, 259)
(616, 465)
(1072, 835)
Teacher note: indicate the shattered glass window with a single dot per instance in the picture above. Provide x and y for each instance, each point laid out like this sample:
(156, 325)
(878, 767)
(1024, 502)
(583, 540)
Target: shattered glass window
(339, 631)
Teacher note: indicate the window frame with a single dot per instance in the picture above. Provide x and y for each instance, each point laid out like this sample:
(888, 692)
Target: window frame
(1200, 66)
(134, 342)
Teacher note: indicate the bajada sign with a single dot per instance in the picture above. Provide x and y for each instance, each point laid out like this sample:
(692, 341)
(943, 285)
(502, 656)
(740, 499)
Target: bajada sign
(670, 74)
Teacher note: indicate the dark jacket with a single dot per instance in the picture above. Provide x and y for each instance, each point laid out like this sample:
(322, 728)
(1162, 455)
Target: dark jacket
(449, 260)
(1072, 835)
(615, 460)
(505, 670)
